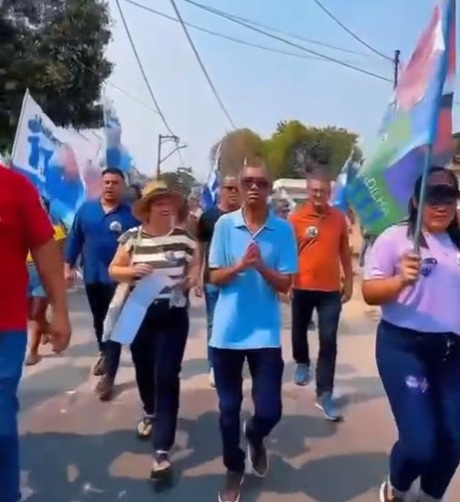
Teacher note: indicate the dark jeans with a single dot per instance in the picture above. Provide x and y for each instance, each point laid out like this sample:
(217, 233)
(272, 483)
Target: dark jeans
(99, 297)
(266, 368)
(157, 353)
(328, 305)
(211, 294)
(12, 352)
(421, 376)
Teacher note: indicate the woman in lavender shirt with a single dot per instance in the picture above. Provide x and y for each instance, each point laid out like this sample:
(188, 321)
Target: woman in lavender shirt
(418, 342)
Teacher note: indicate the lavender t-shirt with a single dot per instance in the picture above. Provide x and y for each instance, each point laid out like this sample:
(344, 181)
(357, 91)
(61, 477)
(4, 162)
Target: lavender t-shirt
(432, 305)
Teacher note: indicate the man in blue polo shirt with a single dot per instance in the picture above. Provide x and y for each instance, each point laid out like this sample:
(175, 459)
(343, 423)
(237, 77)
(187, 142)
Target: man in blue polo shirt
(94, 238)
(252, 258)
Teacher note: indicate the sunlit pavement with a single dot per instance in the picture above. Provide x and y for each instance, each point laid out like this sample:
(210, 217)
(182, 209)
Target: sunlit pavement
(76, 449)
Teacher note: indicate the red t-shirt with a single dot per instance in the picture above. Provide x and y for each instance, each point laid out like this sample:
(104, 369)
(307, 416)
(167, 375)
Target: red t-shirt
(24, 225)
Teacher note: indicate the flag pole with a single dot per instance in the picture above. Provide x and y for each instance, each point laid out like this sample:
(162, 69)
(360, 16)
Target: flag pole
(434, 124)
(18, 127)
(396, 63)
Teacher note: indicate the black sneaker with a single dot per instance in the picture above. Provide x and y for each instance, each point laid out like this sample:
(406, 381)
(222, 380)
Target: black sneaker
(385, 494)
(231, 492)
(99, 367)
(257, 457)
(161, 468)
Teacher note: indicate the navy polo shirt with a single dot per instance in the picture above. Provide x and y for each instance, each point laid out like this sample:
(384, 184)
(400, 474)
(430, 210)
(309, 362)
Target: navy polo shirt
(94, 237)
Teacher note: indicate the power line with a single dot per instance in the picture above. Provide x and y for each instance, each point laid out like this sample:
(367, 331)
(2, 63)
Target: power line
(132, 97)
(268, 28)
(232, 17)
(229, 17)
(118, 88)
(243, 42)
(202, 66)
(223, 36)
(141, 67)
(351, 33)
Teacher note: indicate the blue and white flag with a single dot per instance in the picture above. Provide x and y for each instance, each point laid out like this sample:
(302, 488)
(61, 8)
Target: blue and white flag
(210, 195)
(116, 155)
(53, 158)
(339, 198)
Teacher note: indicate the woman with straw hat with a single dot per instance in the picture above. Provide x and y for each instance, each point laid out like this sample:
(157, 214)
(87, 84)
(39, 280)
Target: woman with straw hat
(158, 247)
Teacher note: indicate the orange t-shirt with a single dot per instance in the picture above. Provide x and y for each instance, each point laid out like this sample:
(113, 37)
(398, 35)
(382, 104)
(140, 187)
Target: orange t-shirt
(321, 240)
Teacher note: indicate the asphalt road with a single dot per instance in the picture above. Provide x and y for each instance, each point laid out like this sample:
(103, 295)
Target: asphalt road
(76, 449)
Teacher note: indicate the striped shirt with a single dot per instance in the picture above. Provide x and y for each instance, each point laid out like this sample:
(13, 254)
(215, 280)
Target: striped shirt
(169, 254)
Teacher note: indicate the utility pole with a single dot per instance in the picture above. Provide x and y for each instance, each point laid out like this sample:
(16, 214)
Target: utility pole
(162, 138)
(396, 63)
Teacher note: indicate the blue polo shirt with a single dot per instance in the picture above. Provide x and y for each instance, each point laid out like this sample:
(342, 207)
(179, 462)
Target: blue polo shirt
(94, 237)
(248, 311)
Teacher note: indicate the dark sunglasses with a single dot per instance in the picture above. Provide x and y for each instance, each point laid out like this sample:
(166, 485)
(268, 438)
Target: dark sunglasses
(441, 196)
(257, 182)
(231, 189)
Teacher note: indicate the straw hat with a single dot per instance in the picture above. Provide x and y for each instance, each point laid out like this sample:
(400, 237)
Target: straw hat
(152, 190)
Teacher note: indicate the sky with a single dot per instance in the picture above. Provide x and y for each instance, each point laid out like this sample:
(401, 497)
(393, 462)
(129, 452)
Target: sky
(258, 88)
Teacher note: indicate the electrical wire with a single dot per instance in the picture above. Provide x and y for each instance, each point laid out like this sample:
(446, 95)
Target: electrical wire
(350, 32)
(250, 44)
(141, 67)
(229, 17)
(118, 88)
(132, 97)
(202, 66)
(224, 37)
(243, 42)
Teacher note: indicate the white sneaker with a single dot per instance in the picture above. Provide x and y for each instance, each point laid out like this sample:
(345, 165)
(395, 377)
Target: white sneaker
(212, 382)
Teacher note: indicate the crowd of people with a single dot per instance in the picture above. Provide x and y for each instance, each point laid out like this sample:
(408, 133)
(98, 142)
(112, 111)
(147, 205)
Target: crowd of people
(241, 250)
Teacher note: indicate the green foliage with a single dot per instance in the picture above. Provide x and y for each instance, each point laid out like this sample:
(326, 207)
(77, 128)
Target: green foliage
(235, 148)
(289, 149)
(56, 49)
(181, 180)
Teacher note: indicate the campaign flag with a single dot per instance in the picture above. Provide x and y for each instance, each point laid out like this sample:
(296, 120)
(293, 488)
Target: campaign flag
(53, 158)
(116, 155)
(339, 198)
(418, 123)
(210, 194)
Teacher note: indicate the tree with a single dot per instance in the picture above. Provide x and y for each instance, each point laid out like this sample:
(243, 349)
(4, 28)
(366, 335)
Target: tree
(56, 49)
(289, 148)
(182, 180)
(234, 148)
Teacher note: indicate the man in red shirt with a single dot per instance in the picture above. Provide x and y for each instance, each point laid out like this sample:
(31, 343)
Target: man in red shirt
(24, 226)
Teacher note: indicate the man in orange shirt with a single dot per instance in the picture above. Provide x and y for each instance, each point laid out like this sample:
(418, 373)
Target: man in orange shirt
(324, 254)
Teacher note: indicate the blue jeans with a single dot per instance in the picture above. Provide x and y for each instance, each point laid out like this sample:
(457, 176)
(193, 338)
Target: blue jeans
(266, 368)
(211, 294)
(421, 376)
(328, 304)
(12, 353)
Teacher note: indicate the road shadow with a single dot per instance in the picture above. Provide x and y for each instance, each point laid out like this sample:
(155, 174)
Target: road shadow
(194, 367)
(41, 386)
(354, 389)
(78, 303)
(338, 478)
(114, 466)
